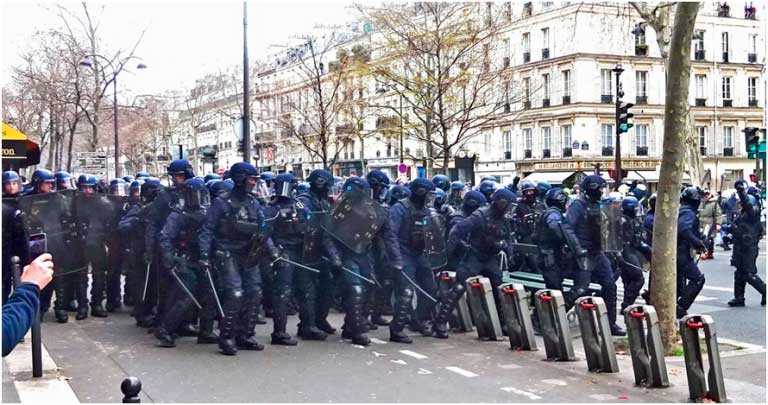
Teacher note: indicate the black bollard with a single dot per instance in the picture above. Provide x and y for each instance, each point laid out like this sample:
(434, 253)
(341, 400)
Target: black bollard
(131, 387)
(37, 344)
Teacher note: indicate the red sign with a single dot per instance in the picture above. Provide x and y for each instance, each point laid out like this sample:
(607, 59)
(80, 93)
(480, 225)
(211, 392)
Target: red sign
(402, 168)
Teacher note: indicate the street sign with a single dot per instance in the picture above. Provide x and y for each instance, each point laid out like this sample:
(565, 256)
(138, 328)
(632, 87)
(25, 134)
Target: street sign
(402, 168)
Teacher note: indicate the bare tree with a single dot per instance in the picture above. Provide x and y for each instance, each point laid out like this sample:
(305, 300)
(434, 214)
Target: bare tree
(200, 107)
(660, 17)
(437, 58)
(676, 120)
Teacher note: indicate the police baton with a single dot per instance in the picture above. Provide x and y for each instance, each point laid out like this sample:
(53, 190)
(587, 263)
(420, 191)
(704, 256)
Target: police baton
(418, 288)
(299, 265)
(185, 289)
(146, 282)
(366, 279)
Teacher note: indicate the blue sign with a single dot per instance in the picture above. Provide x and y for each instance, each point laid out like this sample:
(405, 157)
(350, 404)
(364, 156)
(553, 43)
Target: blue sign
(575, 145)
(584, 145)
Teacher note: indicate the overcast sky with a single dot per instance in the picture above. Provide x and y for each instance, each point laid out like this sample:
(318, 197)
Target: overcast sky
(184, 40)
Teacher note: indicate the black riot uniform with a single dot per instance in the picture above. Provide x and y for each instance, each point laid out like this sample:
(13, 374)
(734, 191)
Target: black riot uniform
(379, 301)
(231, 236)
(117, 187)
(747, 232)
(14, 237)
(288, 220)
(526, 220)
(559, 248)
(690, 280)
(633, 251)
(180, 254)
(483, 239)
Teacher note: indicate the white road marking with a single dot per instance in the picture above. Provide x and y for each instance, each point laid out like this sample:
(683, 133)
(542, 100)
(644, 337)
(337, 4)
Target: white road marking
(526, 394)
(424, 371)
(378, 341)
(508, 366)
(724, 289)
(398, 361)
(603, 397)
(461, 371)
(377, 354)
(415, 355)
(553, 381)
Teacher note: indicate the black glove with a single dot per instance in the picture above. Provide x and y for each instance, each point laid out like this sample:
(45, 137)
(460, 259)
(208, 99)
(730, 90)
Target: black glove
(397, 267)
(336, 261)
(147, 257)
(204, 264)
(516, 180)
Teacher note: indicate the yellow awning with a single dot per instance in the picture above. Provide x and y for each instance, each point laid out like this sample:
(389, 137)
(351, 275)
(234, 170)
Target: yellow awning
(12, 134)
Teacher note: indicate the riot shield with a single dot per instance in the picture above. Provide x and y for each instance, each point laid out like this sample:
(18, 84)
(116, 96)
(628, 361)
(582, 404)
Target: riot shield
(435, 249)
(610, 226)
(355, 219)
(44, 216)
(97, 215)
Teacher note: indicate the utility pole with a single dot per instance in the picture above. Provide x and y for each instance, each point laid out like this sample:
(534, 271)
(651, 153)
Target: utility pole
(246, 104)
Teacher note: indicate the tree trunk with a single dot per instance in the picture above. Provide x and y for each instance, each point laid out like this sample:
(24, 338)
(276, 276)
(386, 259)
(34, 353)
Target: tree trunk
(362, 154)
(197, 151)
(69, 151)
(663, 292)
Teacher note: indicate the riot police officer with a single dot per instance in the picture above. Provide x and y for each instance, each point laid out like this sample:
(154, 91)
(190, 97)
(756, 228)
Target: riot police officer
(233, 228)
(14, 238)
(442, 182)
(472, 201)
(541, 191)
(397, 193)
(117, 187)
(481, 239)
(526, 220)
(487, 187)
(633, 251)
(456, 197)
(288, 220)
(63, 180)
(409, 219)
(180, 254)
(584, 215)
(379, 302)
(556, 235)
(747, 232)
(690, 280)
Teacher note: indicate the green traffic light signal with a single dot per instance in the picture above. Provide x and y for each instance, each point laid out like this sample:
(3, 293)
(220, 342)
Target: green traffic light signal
(626, 127)
(623, 115)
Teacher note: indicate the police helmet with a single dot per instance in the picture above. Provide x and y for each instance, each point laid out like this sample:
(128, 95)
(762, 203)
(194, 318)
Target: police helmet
(142, 174)
(421, 186)
(542, 187)
(219, 187)
(117, 187)
(397, 193)
(150, 188)
(442, 182)
(556, 197)
(457, 186)
(240, 172)
(302, 187)
(195, 193)
(283, 184)
(474, 199)
(211, 176)
(41, 176)
(377, 178)
(181, 167)
(692, 196)
(629, 205)
(593, 186)
(320, 179)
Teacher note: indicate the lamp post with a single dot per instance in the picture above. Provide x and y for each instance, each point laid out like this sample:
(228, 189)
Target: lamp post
(88, 62)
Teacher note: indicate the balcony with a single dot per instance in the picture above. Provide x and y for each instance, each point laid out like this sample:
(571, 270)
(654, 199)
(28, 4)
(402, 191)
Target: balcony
(751, 57)
(699, 55)
(606, 99)
(703, 150)
(753, 102)
(506, 61)
(728, 152)
(507, 155)
(545, 53)
(641, 100)
(344, 129)
(641, 151)
(641, 50)
(546, 153)
(528, 154)
(723, 10)
(566, 99)
(507, 108)
(527, 9)
(607, 151)
(526, 57)
(545, 103)
(701, 102)
(727, 103)
(526, 105)
(567, 152)
(726, 57)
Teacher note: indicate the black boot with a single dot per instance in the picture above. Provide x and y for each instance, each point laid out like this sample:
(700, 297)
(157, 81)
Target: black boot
(355, 320)
(445, 309)
(247, 339)
(402, 313)
(378, 319)
(227, 342)
(399, 336)
(187, 329)
(739, 287)
(311, 334)
(326, 327)
(164, 339)
(755, 281)
(249, 343)
(283, 339)
(82, 313)
(206, 335)
(280, 321)
(61, 315)
(98, 311)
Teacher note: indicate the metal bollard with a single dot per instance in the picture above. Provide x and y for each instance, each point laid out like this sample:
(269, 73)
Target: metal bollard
(645, 346)
(514, 305)
(596, 335)
(483, 307)
(700, 387)
(131, 387)
(37, 344)
(550, 307)
(462, 319)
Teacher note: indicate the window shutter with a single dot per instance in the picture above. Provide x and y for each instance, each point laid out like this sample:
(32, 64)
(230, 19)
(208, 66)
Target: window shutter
(652, 141)
(737, 142)
(710, 138)
(596, 146)
(719, 150)
(633, 141)
(557, 141)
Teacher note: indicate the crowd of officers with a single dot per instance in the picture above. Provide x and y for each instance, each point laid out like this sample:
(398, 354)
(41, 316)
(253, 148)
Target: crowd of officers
(237, 249)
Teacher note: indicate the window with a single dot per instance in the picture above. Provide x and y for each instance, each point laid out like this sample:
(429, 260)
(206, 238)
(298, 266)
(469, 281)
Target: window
(606, 81)
(607, 135)
(487, 142)
(545, 38)
(566, 83)
(700, 86)
(527, 42)
(753, 43)
(506, 48)
(526, 89)
(641, 132)
(545, 80)
(699, 41)
(546, 138)
(702, 131)
(641, 81)
(640, 37)
(726, 88)
(728, 137)
(507, 139)
(726, 48)
(527, 139)
(752, 89)
(565, 135)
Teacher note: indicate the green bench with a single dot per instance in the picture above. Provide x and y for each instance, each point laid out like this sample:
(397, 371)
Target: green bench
(534, 282)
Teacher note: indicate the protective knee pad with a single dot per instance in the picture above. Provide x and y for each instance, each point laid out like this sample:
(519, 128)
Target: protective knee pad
(233, 298)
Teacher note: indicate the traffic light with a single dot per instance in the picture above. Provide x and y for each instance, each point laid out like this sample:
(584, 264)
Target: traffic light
(751, 141)
(622, 117)
(753, 178)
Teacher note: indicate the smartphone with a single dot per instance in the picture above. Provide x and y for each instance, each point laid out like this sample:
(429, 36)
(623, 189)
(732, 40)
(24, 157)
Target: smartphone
(38, 244)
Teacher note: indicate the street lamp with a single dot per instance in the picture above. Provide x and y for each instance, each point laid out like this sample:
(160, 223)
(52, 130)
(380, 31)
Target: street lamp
(88, 62)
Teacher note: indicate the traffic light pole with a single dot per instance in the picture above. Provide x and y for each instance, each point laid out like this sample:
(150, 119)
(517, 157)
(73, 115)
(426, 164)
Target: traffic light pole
(619, 93)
